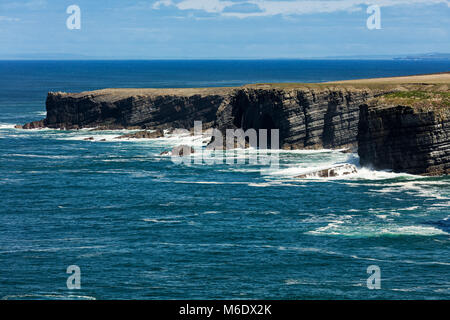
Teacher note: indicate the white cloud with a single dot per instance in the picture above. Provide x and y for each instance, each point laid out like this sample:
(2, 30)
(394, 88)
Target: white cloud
(29, 5)
(210, 6)
(9, 19)
(159, 4)
(286, 7)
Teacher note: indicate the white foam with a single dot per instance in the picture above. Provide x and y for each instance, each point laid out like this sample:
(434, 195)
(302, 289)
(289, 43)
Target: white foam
(211, 212)
(161, 221)
(40, 156)
(7, 126)
(294, 171)
(97, 138)
(48, 296)
(352, 230)
(209, 182)
(368, 174)
(290, 282)
(410, 208)
(420, 188)
(260, 185)
(303, 151)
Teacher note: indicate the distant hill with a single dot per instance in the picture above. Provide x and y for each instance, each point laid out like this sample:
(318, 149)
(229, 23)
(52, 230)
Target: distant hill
(69, 56)
(419, 56)
(426, 56)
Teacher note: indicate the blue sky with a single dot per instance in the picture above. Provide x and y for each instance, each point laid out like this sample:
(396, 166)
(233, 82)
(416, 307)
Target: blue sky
(125, 29)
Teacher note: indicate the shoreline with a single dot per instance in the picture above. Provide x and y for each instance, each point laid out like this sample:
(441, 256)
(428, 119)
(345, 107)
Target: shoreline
(399, 123)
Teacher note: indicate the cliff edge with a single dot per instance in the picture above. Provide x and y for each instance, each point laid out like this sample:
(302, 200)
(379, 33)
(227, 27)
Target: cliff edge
(392, 130)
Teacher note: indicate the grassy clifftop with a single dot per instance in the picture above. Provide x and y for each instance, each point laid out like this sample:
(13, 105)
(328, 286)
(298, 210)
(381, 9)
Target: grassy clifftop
(419, 100)
(409, 82)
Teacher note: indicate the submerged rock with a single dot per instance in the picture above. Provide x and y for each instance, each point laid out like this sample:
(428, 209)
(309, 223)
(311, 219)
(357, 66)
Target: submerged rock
(350, 150)
(32, 125)
(179, 151)
(336, 171)
(143, 135)
(182, 150)
(110, 127)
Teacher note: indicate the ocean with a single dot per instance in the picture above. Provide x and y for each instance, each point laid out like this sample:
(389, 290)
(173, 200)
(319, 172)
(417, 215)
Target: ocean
(140, 226)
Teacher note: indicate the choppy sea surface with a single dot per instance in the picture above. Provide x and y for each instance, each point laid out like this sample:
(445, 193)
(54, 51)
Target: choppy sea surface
(140, 226)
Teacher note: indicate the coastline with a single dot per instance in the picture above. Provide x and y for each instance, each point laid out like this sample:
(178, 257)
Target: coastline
(334, 115)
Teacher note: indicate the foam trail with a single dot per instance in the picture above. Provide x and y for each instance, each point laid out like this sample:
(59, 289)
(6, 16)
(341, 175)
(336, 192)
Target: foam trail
(340, 228)
(7, 126)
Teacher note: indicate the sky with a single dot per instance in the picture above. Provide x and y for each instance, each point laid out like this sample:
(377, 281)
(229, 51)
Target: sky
(221, 29)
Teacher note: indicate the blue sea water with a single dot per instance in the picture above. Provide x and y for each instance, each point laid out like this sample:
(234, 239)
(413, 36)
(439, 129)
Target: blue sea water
(142, 227)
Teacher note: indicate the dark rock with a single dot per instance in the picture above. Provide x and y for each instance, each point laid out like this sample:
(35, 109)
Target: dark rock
(182, 151)
(336, 171)
(116, 127)
(350, 150)
(35, 125)
(143, 135)
(307, 117)
(403, 140)
(134, 108)
(89, 139)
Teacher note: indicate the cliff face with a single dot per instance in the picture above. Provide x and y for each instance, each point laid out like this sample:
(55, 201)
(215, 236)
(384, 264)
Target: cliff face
(306, 118)
(403, 140)
(123, 108)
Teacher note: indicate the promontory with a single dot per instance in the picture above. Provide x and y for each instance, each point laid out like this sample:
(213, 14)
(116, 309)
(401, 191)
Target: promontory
(400, 124)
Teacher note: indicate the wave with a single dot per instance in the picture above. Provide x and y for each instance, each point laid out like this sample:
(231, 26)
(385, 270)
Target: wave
(7, 126)
(161, 220)
(95, 138)
(47, 297)
(40, 156)
(260, 185)
(339, 228)
(421, 188)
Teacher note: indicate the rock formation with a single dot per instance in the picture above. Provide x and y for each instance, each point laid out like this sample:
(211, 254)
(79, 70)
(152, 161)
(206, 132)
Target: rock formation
(336, 171)
(143, 135)
(33, 125)
(308, 117)
(133, 108)
(182, 150)
(404, 140)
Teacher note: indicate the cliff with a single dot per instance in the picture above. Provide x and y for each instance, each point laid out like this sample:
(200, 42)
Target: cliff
(128, 108)
(396, 123)
(306, 117)
(404, 140)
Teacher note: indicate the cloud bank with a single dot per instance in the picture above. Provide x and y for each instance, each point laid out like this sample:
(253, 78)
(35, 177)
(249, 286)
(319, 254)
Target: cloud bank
(258, 8)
